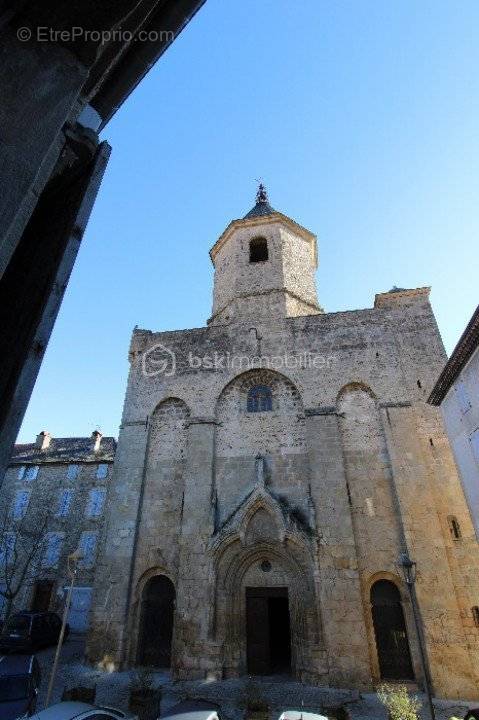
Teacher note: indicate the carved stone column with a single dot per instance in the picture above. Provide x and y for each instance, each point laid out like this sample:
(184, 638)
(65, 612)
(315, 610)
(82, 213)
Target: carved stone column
(339, 587)
(194, 653)
(112, 591)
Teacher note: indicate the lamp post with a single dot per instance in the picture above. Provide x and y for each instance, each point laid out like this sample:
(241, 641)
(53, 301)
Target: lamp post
(409, 571)
(72, 567)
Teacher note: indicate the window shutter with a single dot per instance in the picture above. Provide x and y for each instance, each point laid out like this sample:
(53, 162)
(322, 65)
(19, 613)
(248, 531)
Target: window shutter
(73, 471)
(95, 502)
(88, 547)
(52, 550)
(102, 471)
(64, 503)
(21, 504)
(31, 472)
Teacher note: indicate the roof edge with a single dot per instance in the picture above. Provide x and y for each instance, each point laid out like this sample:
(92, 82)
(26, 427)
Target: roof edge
(462, 353)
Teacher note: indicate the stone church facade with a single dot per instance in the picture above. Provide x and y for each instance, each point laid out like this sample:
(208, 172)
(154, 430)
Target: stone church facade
(271, 468)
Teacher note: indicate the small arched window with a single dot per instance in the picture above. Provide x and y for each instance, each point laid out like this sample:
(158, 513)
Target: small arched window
(475, 615)
(258, 250)
(260, 399)
(454, 527)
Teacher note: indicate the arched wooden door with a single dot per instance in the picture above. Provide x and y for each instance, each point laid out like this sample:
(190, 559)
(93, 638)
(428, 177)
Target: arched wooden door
(390, 630)
(156, 622)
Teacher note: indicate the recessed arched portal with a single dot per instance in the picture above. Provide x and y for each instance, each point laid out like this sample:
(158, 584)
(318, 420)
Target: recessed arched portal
(266, 608)
(390, 630)
(156, 622)
(268, 634)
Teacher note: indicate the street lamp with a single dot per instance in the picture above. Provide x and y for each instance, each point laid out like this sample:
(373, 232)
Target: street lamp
(72, 567)
(409, 571)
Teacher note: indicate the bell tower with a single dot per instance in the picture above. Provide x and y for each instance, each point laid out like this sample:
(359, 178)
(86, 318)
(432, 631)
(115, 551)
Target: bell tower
(265, 267)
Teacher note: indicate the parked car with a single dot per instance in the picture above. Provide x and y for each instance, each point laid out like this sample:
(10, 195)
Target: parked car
(19, 682)
(193, 710)
(26, 631)
(81, 711)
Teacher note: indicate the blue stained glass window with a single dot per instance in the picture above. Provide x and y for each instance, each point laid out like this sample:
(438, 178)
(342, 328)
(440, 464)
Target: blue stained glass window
(260, 399)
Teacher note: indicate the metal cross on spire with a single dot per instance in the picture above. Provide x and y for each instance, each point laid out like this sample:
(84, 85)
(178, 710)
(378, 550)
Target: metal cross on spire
(261, 193)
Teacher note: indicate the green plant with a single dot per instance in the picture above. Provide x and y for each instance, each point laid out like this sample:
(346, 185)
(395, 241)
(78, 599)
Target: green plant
(142, 679)
(400, 705)
(252, 698)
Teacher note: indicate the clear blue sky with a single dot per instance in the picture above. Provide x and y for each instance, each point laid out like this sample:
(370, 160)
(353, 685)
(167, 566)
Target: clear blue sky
(361, 117)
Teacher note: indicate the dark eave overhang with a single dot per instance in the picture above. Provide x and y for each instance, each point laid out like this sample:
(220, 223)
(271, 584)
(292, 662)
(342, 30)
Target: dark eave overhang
(168, 16)
(110, 48)
(468, 343)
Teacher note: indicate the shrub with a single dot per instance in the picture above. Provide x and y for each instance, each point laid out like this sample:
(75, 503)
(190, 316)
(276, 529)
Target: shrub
(252, 698)
(142, 679)
(400, 705)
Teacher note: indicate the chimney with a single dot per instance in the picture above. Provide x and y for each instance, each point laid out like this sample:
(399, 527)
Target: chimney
(43, 440)
(96, 437)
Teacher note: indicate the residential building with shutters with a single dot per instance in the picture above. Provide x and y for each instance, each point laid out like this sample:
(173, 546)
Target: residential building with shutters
(457, 393)
(52, 502)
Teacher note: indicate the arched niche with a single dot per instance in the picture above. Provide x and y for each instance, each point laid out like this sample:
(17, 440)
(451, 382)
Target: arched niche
(390, 632)
(156, 622)
(167, 431)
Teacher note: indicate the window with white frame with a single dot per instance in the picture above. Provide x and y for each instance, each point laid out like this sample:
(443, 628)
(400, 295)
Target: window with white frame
(73, 471)
(31, 472)
(53, 547)
(64, 502)
(102, 471)
(474, 440)
(96, 500)
(20, 504)
(462, 396)
(87, 547)
(7, 548)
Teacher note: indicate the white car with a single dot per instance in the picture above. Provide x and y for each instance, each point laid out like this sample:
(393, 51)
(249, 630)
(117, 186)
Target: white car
(300, 715)
(81, 711)
(193, 710)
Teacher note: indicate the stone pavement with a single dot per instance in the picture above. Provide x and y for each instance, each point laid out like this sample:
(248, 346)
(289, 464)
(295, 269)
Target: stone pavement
(280, 693)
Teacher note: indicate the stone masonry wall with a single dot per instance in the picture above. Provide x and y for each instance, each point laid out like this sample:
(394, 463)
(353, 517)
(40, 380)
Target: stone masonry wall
(399, 484)
(280, 286)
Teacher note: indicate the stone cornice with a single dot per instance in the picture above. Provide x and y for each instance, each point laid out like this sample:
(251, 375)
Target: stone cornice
(319, 310)
(198, 420)
(325, 410)
(385, 299)
(398, 404)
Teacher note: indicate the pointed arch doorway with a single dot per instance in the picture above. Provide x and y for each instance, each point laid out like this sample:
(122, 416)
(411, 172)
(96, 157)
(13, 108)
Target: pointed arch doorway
(390, 632)
(156, 622)
(268, 634)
